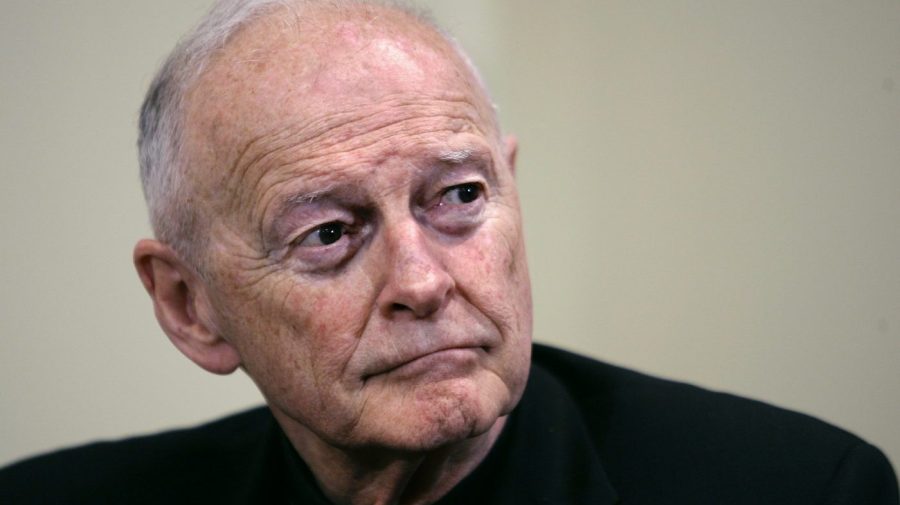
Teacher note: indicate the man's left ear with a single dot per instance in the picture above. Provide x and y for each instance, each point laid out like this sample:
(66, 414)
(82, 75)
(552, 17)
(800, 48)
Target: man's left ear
(511, 149)
(182, 307)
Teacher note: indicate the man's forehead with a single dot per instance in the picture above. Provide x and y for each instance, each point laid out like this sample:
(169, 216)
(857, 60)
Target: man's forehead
(273, 72)
(351, 53)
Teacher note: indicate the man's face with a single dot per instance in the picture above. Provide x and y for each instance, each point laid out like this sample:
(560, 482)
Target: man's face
(366, 256)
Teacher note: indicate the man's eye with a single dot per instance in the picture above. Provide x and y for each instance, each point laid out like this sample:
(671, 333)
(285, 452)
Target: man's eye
(461, 194)
(326, 234)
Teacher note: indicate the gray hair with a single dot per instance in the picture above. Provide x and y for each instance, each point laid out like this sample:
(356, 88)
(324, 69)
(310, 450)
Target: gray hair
(175, 219)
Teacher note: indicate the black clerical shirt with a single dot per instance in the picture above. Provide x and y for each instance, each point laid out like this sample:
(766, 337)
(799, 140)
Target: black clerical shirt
(584, 433)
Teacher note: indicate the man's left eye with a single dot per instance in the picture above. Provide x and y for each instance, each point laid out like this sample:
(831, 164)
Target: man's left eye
(324, 235)
(461, 194)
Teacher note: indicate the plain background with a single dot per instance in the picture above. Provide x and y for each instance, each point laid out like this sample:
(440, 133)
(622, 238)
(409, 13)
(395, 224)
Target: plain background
(711, 192)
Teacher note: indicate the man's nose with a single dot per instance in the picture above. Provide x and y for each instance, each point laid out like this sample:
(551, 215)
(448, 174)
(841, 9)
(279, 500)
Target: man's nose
(416, 283)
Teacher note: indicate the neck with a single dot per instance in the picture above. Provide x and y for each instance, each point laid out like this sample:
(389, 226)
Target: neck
(385, 477)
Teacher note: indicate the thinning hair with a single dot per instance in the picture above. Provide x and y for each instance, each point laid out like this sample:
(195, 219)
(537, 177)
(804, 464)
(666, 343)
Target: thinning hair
(176, 218)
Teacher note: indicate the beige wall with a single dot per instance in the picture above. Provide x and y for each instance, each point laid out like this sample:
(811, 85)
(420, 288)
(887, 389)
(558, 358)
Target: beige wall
(712, 193)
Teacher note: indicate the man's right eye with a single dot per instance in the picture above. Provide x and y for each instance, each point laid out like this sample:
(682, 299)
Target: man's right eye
(324, 235)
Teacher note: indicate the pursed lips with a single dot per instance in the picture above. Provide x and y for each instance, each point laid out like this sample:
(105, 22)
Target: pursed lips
(397, 364)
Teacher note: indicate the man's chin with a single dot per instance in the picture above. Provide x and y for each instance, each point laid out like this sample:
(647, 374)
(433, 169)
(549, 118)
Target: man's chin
(438, 415)
(435, 438)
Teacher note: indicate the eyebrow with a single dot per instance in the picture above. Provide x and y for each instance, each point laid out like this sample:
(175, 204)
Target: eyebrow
(285, 205)
(455, 157)
(302, 198)
(482, 159)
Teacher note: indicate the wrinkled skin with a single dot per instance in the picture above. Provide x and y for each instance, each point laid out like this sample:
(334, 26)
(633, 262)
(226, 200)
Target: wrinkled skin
(366, 264)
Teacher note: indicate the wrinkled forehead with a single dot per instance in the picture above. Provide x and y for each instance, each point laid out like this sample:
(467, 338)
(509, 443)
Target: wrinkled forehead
(285, 69)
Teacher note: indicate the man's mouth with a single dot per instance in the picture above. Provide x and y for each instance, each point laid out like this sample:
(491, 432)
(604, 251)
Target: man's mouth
(440, 362)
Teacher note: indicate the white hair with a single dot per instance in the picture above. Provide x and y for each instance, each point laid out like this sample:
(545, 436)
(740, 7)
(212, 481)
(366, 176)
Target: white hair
(176, 220)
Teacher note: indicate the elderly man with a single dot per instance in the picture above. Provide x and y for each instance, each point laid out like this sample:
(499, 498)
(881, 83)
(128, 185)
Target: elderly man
(336, 214)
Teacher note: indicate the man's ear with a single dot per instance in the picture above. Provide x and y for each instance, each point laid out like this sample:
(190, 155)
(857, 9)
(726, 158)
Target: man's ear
(182, 307)
(511, 149)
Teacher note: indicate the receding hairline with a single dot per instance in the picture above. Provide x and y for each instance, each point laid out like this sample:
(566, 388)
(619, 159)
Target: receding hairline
(310, 26)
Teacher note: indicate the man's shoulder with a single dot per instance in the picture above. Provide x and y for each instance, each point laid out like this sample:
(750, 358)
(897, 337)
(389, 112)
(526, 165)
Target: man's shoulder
(653, 433)
(615, 394)
(152, 468)
(611, 391)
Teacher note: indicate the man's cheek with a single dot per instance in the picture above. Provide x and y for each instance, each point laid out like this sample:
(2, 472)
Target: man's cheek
(332, 301)
(482, 274)
(494, 260)
(328, 320)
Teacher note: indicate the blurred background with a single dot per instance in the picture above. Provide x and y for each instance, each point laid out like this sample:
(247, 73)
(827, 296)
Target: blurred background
(711, 193)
